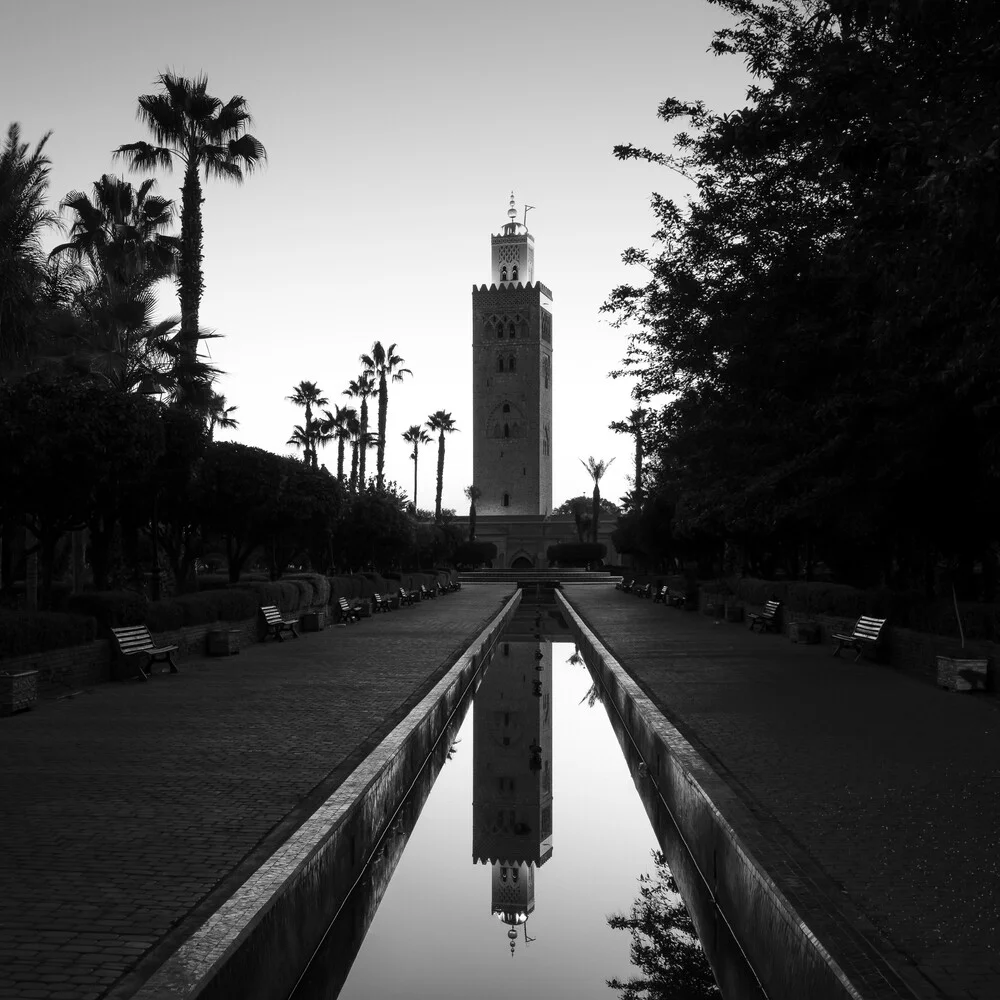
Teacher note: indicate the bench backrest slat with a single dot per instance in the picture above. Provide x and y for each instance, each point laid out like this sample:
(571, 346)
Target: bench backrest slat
(771, 608)
(869, 628)
(133, 638)
(271, 614)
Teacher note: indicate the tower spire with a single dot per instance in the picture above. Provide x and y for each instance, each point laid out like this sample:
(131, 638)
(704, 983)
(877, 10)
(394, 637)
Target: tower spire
(512, 211)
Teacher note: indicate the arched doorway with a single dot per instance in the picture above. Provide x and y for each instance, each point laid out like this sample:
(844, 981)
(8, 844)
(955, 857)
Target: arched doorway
(522, 562)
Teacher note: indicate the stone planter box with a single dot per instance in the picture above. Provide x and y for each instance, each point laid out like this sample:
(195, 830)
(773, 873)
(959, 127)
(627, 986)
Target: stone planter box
(734, 612)
(313, 621)
(962, 673)
(804, 632)
(18, 691)
(223, 642)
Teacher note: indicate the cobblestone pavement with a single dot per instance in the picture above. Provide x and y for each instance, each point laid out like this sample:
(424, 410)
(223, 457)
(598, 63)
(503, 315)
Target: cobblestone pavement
(890, 786)
(131, 810)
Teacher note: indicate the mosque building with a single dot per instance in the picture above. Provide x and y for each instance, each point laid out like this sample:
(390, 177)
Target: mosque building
(512, 387)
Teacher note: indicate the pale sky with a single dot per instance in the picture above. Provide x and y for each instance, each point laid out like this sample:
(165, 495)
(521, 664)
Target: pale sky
(395, 133)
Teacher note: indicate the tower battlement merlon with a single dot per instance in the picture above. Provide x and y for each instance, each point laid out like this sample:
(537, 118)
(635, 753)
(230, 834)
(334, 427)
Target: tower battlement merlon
(510, 286)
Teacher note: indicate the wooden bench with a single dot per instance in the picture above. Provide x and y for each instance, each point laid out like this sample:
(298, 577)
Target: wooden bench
(675, 598)
(407, 596)
(867, 633)
(135, 640)
(381, 602)
(425, 593)
(660, 597)
(766, 620)
(644, 591)
(348, 612)
(275, 625)
(626, 586)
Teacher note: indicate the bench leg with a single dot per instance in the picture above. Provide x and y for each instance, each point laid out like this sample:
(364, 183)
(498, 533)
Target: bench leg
(173, 666)
(840, 646)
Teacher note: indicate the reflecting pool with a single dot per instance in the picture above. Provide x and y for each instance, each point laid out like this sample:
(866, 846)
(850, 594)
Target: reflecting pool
(514, 867)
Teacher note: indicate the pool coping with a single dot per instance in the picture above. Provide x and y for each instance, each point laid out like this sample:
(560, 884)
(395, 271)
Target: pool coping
(771, 905)
(256, 943)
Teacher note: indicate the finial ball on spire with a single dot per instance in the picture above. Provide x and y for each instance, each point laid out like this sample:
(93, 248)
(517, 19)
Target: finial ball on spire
(512, 211)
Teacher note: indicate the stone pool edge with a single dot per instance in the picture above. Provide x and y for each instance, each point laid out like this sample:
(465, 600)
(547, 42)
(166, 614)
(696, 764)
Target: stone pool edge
(256, 944)
(724, 840)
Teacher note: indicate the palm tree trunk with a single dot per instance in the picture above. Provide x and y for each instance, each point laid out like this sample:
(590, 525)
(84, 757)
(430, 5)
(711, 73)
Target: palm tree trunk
(440, 482)
(364, 444)
(340, 460)
(595, 513)
(638, 466)
(354, 466)
(190, 281)
(78, 542)
(383, 410)
(414, 477)
(30, 572)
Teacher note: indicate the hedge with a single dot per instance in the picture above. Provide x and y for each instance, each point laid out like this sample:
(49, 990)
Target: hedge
(164, 616)
(575, 553)
(287, 596)
(111, 608)
(23, 632)
(904, 609)
(320, 586)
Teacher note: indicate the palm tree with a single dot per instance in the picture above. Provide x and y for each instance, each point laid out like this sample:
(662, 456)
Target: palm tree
(119, 236)
(443, 423)
(596, 469)
(637, 426)
(337, 426)
(383, 364)
(362, 388)
(308, 395)
(415, 435)
(199, 131)
(24, 181)
(220, 415)
(473, 493)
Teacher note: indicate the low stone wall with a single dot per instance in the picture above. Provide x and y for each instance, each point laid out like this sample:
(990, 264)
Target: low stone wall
(904, 649)
(75, 667)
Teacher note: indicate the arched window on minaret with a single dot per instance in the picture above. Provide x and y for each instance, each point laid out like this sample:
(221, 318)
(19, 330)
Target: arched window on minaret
(517, 430)
(496, 430)
(506, 407)
(512, 364)
(506, 500)
(513, 273)
(511, 331)
(506, 430)
(499, 329)
(500, 363)
(503, 272)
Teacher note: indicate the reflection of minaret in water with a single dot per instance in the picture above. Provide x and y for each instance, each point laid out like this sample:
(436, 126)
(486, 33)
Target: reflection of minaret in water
(512, 777)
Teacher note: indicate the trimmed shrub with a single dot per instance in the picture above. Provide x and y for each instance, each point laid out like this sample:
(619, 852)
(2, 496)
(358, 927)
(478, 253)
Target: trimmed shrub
(23, 633)
(320, 586)
(575, 553)
(377, 583)
(198, 609)
(285, 596)
(111, 608)
(164, 616)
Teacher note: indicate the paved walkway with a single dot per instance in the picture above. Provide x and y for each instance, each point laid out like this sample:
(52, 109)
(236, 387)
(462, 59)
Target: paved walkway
(889, 786)
(130, 811)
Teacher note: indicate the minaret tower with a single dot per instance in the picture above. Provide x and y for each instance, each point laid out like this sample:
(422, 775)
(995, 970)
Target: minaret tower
(512, 379)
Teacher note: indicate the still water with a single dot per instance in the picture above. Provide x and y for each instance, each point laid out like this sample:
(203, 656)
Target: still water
(524, 836)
